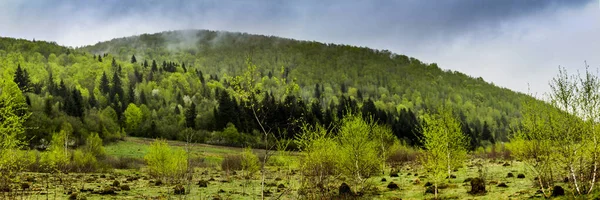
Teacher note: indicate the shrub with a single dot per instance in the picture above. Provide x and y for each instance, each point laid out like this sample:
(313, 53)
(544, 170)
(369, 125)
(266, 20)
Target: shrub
(232, 163)
(165, 162)
(359, 157)
(250, 162)
(122, 162)
(93, 145)
(401, 154)
(494, 151)
(318, 164)
(83, 161)
(57, 157)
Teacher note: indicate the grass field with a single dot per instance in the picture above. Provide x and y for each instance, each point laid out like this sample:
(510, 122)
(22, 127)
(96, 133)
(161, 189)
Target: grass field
(282, 182)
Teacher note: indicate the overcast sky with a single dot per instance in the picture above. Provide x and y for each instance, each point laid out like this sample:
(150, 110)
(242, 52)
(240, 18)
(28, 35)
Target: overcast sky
(510, 42)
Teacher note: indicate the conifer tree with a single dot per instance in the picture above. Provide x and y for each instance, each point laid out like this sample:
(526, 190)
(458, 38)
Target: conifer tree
(190, 116)
(104, 84)
(22, 79)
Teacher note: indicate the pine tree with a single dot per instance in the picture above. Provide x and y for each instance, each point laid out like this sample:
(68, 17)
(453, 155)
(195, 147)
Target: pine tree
(22, 79)
(201, 76)
(113, 63)
(104, 85)
(99, 58)
(154, 67)
(116, 89)
(153, 132)
(92, 102)
(143, 97)
(145, 64)
(62, 89)
(51, 85)
(133, 60)
(317, 91)
(190, 116)
(486, 134)
(131, 94)
(48, 107)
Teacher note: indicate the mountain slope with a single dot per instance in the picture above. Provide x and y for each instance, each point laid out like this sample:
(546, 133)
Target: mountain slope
(392, 80)
(157, 85)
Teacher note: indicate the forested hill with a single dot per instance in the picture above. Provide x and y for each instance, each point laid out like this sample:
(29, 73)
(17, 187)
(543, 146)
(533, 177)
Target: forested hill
(170, 83)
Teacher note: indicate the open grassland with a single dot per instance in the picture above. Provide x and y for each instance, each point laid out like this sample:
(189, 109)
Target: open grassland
(282, 182)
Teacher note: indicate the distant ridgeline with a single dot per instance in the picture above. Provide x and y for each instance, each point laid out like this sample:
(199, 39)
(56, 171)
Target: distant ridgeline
(172, 83)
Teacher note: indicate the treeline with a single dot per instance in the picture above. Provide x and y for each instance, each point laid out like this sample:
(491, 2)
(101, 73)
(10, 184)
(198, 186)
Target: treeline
(163, 92)
(394, 82)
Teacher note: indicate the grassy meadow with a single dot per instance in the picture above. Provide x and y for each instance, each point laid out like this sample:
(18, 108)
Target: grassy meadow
(283, 181)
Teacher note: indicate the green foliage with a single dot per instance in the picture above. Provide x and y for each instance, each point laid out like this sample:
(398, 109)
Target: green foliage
(563, 138)
(133, 118)
(57, 156)
(358, 147)
(354, 152)
(250, 163)
(84, 161)
(320, 153)
(12, 116)
(93, 145)
(444, 143)
(231, 136)
(166, 162)
(285, 72)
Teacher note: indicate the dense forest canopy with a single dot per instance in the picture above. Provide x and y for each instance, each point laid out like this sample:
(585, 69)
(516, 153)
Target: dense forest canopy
(170, 83)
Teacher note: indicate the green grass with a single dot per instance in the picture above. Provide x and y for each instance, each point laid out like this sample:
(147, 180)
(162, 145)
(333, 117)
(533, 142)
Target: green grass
(234, 186)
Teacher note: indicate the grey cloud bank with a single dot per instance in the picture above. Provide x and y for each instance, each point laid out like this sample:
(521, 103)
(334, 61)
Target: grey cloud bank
(510, 43)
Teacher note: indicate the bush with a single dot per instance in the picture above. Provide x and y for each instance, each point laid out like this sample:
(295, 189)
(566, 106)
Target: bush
(319, 158)
(93, 145)
(250, 163)
(83, 161)
(165, 162)
(232, 163)
(359, 158)
(401, 154)
(57, 157)
(123, 162)
(494, 151)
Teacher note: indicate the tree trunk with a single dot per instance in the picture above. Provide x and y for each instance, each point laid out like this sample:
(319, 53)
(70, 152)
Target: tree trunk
(595, 162)
(435, 190)
(574, 179)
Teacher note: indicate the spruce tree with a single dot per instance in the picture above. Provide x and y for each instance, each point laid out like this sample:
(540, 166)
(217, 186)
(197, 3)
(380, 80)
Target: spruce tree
(154, 67)
(104, 85)
(190, 116)
(22, 79)
(116, 89)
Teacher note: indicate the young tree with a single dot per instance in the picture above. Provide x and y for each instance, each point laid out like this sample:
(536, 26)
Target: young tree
(133, 118)
(358, 145)
(444, 143)
(588, 99)
(166, 162)
(12, 118)
(319, 154)
(385, 140)
(531, 144)
(93, 145)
